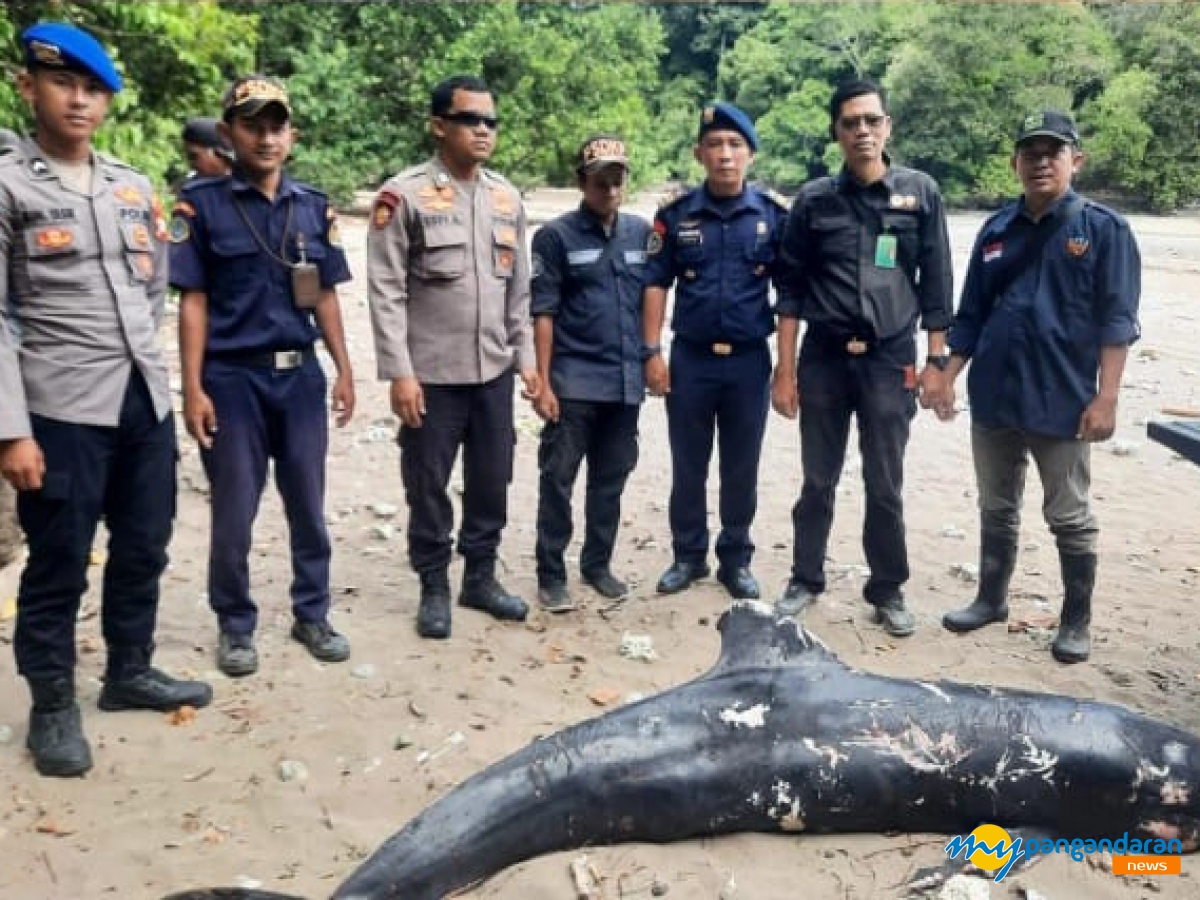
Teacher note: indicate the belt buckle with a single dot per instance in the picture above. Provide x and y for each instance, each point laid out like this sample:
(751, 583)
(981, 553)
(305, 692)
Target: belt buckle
(722, 349)
(856, 347)
(288, 359)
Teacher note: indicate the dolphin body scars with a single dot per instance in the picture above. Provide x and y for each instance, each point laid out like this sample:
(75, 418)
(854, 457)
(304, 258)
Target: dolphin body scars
(782, 736)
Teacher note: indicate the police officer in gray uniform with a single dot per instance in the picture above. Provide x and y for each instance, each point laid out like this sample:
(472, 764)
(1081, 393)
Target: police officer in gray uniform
(449, 288)
(85, 410)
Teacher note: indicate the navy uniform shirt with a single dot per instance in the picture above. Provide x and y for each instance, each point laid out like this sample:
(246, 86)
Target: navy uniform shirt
(249, 286)
(834, 278)
(591, 284)
(1035, 349)
(722, 254)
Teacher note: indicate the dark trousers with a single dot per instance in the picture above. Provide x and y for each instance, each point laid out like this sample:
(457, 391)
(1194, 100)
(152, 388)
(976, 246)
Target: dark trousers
(125, 474)
(728, 395)
(264, 415)
(605, 434)
(879, 389)
(478, 418)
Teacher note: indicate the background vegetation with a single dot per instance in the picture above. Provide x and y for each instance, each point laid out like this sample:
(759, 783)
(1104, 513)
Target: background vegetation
(961, 75)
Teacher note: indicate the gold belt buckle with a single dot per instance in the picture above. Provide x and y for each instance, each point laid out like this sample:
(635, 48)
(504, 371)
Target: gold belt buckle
(856, 347)
(288, 359)
(722, 349)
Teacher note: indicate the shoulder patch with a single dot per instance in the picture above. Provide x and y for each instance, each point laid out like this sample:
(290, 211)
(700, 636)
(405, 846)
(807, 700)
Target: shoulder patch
(654, 241)
(180, 230)
(537, 266)
(386, 202)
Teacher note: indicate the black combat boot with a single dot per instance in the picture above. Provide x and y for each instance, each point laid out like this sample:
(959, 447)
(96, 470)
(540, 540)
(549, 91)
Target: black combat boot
(56, 730)
(433, 617)
(132, 683)
(997, 559)
(1073, 644)
(481, 590)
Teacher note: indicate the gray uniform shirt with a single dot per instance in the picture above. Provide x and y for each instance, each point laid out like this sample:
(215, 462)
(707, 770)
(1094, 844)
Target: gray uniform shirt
(448, 277)
(82, 285)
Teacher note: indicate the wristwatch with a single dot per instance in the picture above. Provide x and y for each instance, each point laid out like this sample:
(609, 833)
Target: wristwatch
(649, 351)
(938, 362)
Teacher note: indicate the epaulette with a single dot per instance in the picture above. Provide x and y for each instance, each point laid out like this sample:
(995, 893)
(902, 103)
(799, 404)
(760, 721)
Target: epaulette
(114, 162)
(492, 175)
(203, 182)
(417, 171)
(774, 196)
(672, 195)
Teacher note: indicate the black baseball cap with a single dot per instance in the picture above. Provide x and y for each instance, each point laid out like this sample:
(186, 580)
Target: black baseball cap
(1048, 123)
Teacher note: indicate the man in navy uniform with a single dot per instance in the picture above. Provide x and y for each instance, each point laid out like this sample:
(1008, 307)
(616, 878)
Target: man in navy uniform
(719, 245)
(1048, 311)
(868, 258)
(257, 259)
(587, 305)
(85, 407)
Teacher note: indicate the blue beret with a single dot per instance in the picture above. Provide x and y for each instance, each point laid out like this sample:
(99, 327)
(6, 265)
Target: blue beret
(57, 45)
(719, 116)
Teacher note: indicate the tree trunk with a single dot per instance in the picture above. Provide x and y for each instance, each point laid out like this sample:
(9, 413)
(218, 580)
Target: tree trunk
(10, 532)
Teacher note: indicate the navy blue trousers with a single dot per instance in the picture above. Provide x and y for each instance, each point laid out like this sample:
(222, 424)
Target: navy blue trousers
(728, 395)
(265, 415)
(605, 434)
(478, 418)
(879, 389)
(125, 474)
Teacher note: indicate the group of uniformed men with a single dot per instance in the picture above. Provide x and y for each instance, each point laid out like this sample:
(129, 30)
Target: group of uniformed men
(460, 313)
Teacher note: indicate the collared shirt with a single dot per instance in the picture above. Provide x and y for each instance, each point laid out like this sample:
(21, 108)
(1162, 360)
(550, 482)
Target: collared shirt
(722, 256)
(449, 278)
(1035, 349)
(841, 276)
(231, 242)
(82, 287)
(591, 284)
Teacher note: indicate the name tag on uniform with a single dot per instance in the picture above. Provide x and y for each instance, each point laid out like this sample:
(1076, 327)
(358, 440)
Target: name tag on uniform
(635, 257)
(583, 257)
(885, 251)
(689, 237)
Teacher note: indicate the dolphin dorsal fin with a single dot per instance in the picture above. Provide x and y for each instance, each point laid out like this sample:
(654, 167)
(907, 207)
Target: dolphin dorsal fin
(752, 635)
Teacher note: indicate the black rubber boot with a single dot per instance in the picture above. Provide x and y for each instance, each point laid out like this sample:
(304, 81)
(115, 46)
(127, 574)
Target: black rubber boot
(433, 616)
(132, 683)
(481, 590)
(997, 559)
(1073, 643)
(56, 730)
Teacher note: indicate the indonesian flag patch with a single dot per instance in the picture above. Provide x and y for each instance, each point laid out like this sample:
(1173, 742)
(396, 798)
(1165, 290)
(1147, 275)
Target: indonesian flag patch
(993, 251)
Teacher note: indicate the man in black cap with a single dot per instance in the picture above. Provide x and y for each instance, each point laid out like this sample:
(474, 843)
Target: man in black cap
(868, 258)
(86, 430)
(1047, 314)
(719, 246)
(586, 301)
(207, 152)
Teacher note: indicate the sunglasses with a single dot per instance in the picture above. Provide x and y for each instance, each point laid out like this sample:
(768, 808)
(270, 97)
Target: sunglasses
(471, 120)
(853, 123)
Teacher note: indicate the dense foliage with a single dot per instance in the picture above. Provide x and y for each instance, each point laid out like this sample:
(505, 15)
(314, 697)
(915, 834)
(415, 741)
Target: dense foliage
(961, 76)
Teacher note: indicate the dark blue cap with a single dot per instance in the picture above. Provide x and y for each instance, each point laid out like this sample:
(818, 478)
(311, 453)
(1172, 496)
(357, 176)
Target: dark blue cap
(719, 116)
(57, 45)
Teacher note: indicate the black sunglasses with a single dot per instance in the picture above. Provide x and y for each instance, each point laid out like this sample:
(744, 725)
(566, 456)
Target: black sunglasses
(470, 119)
(871, 120)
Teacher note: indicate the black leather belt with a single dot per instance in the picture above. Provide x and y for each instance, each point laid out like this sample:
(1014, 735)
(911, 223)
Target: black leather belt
(722, 348)
(850, 344)
(279, 360)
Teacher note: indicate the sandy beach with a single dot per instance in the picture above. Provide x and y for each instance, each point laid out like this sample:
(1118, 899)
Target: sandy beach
(174, 804)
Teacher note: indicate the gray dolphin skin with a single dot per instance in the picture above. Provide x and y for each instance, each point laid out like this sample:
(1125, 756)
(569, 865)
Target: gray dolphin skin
(780, 736)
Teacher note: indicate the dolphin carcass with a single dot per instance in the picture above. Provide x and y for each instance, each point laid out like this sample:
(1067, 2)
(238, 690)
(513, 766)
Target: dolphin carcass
(780, 736)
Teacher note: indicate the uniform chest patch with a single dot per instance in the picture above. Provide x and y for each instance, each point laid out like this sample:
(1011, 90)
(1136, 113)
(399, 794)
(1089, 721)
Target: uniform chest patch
(53, 238)
(1077, 246)
(583, 257)
(993, 251)
(689, 237)
(127, 193)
